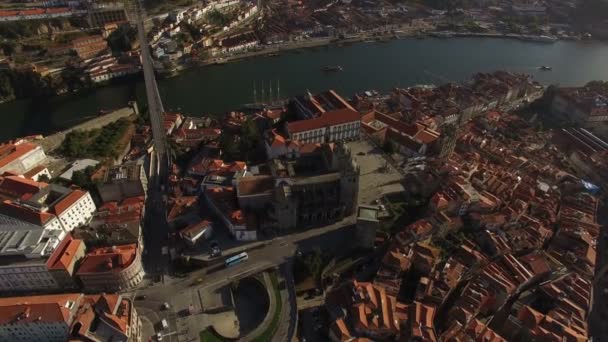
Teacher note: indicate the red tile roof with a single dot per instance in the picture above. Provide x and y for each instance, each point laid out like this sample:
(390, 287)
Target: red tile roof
(47, 308)
(108, 259)
(14, 210)
(255, 185)
(237, 166)
(207, 165)
(309, 148)
(178, 206)
(66, 202)
(331, 118)
(31, 173)
(64, 254)
(114, 311)
(194, 228)
(16, 186)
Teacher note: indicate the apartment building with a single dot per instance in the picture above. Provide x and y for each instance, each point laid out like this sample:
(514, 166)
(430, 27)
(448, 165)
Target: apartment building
(124, 181)
(20, 157)
(326, 117)
(53, 271)
(110, 269)
(72, 316)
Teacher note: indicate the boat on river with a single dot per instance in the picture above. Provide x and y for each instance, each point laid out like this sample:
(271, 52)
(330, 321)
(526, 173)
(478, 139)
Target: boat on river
(539, 39)
(332, 68)
(545, 68)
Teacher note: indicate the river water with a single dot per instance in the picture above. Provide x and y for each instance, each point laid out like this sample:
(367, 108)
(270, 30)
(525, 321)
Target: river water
(380, 66)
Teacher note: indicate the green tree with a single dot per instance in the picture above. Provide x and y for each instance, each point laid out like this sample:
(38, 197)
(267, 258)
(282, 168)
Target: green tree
(6, 86)
(83, 179)
(218, 18)
(388, 147)
(249, 139)
(44, 178)
(122, 38)
(229, 147)
(8, 47)
(309, 265)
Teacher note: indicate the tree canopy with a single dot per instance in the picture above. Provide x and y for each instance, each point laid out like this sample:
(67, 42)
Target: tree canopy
(122, 38)
(102, 142)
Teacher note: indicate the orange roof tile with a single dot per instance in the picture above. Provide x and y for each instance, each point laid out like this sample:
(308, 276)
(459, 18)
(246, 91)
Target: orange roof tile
(10, 152)
(255, 185)
(66, 202)
(108, 259)
(194, 228)
(331, 118)
(31, 173)
(11, 209)
(47, 308)
(17, 187)
(64, 254)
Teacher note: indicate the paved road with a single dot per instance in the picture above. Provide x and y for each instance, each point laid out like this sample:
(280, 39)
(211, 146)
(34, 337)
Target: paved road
(180, 293)
(597, 325)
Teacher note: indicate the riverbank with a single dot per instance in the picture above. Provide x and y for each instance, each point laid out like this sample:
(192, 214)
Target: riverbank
(214, 90)
(53, 141)
(396, 32)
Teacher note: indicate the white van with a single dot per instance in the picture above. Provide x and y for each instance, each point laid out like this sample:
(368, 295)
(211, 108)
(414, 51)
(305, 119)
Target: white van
(164, 324)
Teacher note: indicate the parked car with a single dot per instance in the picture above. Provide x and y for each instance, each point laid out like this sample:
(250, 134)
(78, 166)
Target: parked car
(141, 297)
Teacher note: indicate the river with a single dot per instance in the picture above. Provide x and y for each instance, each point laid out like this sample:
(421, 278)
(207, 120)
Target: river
(381, 66)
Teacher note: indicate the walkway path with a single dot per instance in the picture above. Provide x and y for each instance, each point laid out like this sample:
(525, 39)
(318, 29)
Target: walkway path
(53, 141)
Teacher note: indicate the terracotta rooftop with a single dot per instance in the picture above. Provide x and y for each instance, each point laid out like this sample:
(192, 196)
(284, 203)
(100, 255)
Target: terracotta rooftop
(332, 118)
(66, 202)
(64, 254)
(16, 187)
(11, 152)
(14, 210)
(111, 309)
(195, 228)
(46, 308)
(108, 259)
(255, 185)
(179, 206)
(31, 173)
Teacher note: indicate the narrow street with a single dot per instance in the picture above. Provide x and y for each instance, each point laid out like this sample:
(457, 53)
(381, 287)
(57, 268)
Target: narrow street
(599, 313)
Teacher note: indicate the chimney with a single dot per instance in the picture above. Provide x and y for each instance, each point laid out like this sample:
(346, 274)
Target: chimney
(109, 264)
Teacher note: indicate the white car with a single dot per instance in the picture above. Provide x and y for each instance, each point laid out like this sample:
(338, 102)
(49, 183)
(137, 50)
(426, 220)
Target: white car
(159, 336)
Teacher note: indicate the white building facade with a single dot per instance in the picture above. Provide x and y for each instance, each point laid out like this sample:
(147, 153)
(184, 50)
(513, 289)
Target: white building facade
(79, 212)
(333, 126)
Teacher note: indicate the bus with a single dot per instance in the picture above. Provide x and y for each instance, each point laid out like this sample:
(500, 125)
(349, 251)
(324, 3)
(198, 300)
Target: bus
(233, 260)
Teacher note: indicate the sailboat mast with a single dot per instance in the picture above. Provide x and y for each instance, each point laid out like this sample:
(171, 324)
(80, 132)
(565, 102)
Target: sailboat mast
(255, 95)
(270, 92)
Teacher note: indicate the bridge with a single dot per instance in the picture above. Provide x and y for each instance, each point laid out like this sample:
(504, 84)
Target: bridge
(156, 228)
(160, 160)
